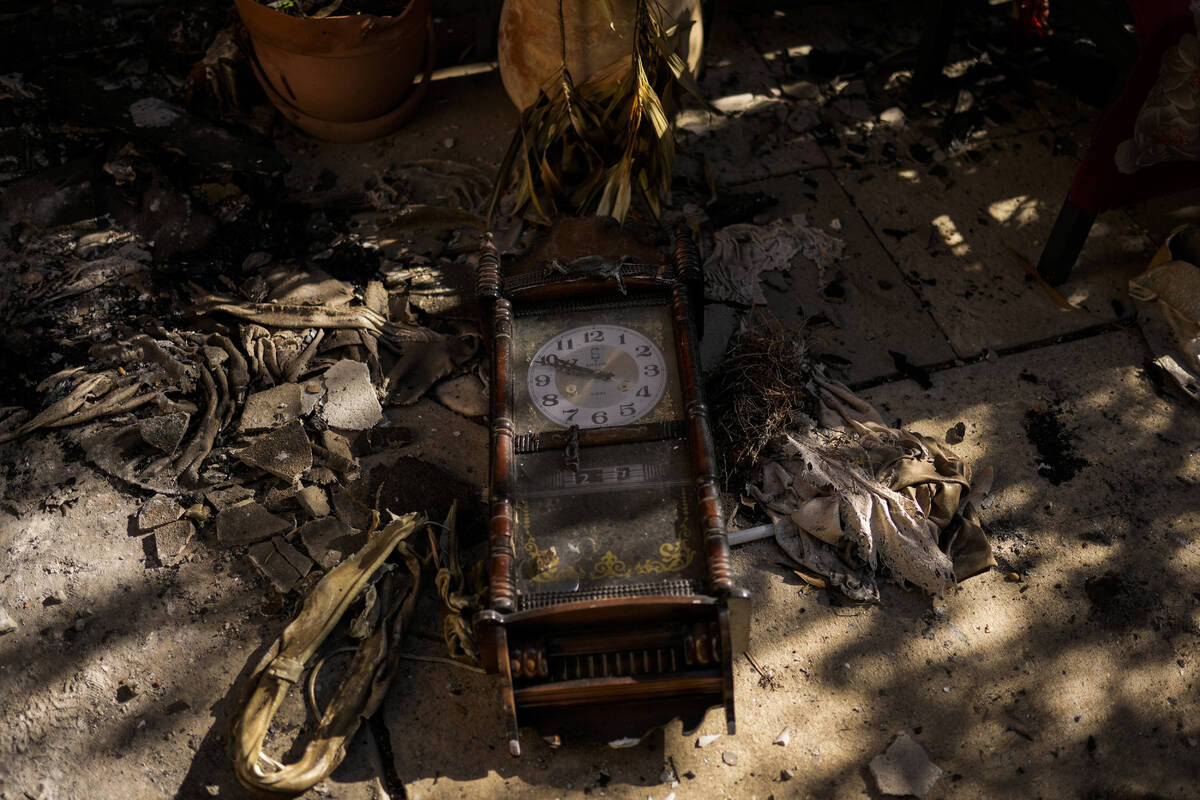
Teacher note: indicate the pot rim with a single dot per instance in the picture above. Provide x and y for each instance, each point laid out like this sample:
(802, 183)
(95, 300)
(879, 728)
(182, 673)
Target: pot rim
(332, 36)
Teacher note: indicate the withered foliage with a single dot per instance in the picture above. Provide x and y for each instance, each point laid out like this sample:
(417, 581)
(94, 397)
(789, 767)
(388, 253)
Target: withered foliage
(593, 148)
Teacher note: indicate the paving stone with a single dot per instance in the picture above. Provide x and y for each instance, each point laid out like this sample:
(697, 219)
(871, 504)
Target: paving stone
(169, 541)
(951, 236)
(272, 408)
(860, 308)
(164, 431)
(329, 540)
(247, 523)
(463, 394)
(158, 510)
(285, 452)
(314, 501)
(350, 399)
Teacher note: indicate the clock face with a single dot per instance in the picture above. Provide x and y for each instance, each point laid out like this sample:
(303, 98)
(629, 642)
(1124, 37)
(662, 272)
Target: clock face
(597, 376)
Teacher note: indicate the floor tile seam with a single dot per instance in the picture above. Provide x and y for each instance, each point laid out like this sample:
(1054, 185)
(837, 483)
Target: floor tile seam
(1123, 326)
(923, 304)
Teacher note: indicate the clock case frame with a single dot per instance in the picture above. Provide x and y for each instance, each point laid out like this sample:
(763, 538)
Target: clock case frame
(701, 630)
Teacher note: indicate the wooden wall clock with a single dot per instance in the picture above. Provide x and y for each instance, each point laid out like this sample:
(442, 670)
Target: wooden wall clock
(612, 607)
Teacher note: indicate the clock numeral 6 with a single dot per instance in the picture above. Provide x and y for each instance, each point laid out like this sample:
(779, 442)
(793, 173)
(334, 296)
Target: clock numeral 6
(549, 399)
(600, 417)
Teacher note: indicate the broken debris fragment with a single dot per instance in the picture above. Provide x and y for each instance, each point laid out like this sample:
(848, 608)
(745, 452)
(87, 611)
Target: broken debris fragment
(328, 540)
(248, 523)
(165, 431)
(905, 769)
(7, 623)
(314, 501)
(158, 510)
(272, 408)
(285, 452)
(231, 496)
(170, 540)
(350, 400)
(280, 563)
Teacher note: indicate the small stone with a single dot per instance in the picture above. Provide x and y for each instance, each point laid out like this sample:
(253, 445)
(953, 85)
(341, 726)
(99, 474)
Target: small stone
(158, 510)
(314, 501)
(285, 452)
(247, 523)
(956, 433)
(350, 399)
(463, 394)
(329, 541)
(170, 540)
(126, 692)
(271, 409)
(786, 774)
(7, 623)
(905, 768)
(198, 513)
(892, 116)
(164, 432)
(784, 737)
(730, 758)
(1013, 577)
(707, 739)
(448, 142)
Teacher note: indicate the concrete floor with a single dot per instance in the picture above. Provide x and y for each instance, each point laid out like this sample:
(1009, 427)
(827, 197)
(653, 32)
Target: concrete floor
(1070, 671)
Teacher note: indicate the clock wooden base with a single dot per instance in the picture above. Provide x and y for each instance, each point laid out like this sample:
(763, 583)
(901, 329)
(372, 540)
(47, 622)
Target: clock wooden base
(612, 607)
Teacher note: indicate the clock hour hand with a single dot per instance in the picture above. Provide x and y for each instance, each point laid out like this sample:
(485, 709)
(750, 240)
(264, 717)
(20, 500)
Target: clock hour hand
(573, 368)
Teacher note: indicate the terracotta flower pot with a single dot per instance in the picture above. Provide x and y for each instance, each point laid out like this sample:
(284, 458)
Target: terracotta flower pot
(348, 78)
(530, 47)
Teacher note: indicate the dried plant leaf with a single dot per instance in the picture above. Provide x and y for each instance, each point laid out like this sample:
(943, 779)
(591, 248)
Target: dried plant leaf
(577, 149)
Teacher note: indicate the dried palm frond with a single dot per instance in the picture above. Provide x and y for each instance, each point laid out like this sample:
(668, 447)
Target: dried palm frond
(596, 147)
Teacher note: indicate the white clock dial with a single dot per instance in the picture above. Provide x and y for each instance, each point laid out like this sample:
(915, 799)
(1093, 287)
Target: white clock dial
(597, 376)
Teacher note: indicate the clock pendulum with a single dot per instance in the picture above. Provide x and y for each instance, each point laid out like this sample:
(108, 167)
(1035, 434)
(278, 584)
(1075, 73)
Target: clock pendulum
(612, 609)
